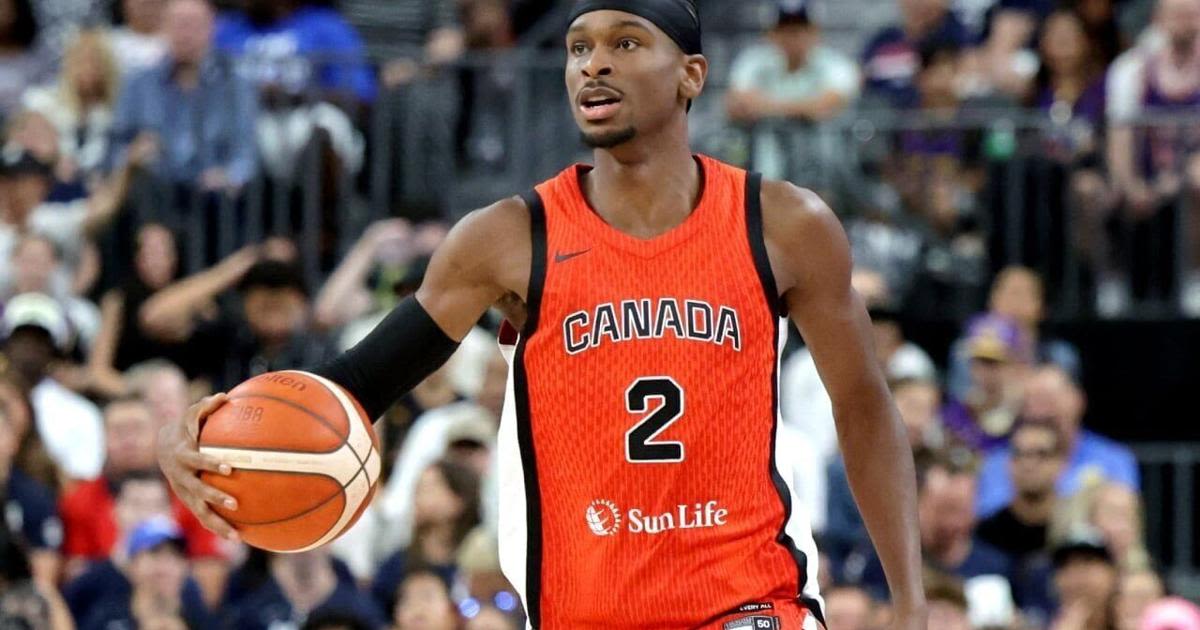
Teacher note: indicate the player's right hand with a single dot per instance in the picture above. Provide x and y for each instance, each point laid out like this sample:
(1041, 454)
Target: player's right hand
(181, 461)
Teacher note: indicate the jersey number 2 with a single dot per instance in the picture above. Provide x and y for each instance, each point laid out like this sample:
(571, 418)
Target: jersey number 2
(640, 446)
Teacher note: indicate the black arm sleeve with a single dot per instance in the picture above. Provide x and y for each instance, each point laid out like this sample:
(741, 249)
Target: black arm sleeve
(404, 348)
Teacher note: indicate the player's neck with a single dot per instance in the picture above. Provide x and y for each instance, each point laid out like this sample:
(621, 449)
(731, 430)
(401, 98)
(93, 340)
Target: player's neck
(646, 187)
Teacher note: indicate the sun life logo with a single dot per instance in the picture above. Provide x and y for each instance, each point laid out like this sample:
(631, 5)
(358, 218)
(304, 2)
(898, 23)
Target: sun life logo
(603, 517)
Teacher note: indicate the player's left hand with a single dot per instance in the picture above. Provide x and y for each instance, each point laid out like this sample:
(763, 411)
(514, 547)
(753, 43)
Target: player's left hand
(181, 461)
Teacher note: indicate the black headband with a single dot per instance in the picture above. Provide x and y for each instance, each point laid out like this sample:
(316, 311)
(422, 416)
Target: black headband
(677, 18)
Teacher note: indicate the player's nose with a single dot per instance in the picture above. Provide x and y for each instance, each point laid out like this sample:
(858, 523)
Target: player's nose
(598, 64)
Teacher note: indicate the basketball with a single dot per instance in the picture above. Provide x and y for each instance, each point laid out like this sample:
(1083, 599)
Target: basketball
(305, 460)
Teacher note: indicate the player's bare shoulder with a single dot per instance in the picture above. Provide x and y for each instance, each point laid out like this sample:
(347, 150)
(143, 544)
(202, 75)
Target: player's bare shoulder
(484, 261)
(805, 239)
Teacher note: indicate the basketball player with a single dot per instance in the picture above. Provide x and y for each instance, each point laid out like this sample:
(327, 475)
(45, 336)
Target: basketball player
(641, 485)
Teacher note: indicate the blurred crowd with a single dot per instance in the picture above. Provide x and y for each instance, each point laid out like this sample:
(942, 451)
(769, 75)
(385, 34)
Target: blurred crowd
(1108, 89)
(135, 133)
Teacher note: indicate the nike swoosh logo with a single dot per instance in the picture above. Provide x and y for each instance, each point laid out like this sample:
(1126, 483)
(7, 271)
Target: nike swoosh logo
(562, 258)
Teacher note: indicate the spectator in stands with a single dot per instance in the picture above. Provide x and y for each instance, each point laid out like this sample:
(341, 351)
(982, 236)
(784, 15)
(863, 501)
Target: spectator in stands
(421, 39)
(487, 92)
(290, 48)
(34, 133)
(1136, 591)
(891, 60)
(946, 510)
(25, 186)
(1152, 167)
(122, 340)
(37, 334)
(1022, 528)
(163, 387)
(271, 331)
(140, 43)
(1069, 89)
(139, 496)
(306, 62)
(1005, 62)
(423, 602)
(1085, 579)
(432, 437)
(1070, 83)
(790, 77)
(386, 247)
(29, 509)
(157, 571)
(1019, 295)
(31, 456)
(80, 105)
(190, 90)
(91, 510)
(982, 418)
(848, 607)
(302, 585)
(445, 510)
(417, 36)
(1052, 395)
(947, 603)
(37, 268)
(479, 571)
(21, 63)
(1116, 514)
(936, 170)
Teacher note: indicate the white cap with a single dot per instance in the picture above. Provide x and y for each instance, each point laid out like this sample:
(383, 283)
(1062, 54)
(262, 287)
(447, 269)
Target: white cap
(40, 311)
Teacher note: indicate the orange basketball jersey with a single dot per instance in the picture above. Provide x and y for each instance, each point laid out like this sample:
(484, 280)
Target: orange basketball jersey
(640, 483)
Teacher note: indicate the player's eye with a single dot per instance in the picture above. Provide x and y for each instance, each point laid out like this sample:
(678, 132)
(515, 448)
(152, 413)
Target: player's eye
(578, 48)
(627, 44)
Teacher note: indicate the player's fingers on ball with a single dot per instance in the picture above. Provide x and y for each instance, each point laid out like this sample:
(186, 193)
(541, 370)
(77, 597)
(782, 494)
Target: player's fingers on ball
(202, 410)
(208, 494)
(197, 461)
(215, 523)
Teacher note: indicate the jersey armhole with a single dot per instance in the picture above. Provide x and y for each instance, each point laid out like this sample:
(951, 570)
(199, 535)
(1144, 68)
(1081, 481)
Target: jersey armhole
(758, 245)
(537, 266)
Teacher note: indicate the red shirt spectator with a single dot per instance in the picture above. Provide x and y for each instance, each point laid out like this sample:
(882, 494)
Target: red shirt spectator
(90, 526)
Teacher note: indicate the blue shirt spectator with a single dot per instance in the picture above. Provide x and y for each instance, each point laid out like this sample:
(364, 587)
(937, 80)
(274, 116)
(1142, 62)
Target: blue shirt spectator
(196, 107)
(1018, 294)
(102, 594)
(1051, 395)
(268, 606)
(891, 58)
(297, 51)
(1093, 454)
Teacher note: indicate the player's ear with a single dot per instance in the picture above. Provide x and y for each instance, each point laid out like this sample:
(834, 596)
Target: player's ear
(695, 73)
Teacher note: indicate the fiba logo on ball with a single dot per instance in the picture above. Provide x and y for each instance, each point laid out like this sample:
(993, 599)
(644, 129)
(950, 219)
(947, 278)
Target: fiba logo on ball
(603, 517)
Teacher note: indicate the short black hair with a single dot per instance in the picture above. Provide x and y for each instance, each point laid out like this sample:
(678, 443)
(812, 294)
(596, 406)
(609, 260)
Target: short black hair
(1085, 550)
(335, 618)
(273, 274)
(937, 50)
(954, 461)
(24, 31)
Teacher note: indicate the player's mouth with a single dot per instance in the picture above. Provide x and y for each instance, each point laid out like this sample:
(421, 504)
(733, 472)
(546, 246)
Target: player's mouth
(599, 104)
